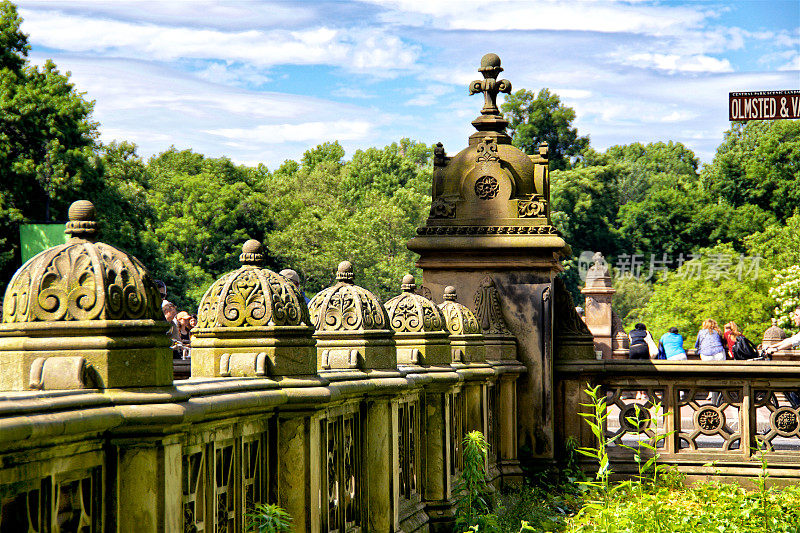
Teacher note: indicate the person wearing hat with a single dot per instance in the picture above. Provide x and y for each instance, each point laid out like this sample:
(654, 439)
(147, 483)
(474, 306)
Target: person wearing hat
(292, 276)
(184, 331)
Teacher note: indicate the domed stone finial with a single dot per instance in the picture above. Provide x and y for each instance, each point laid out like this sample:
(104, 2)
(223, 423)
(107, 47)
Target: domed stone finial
(450, 294)
(344, 273)
(408, 284)
(251, 253)
(82, 223)
(490, 63)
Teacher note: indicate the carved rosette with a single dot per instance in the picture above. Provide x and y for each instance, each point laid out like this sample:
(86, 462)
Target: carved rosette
(81, 280)
(459, 318)
(347, 307)
(487, 309)
(442, 208)
(412, 312)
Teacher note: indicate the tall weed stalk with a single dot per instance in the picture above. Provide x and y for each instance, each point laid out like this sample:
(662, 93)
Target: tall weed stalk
(473, 497)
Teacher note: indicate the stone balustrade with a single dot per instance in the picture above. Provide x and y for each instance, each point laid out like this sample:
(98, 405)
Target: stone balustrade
(716, 416)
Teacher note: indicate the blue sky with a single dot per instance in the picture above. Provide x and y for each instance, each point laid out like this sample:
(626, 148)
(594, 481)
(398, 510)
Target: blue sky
(262, 81)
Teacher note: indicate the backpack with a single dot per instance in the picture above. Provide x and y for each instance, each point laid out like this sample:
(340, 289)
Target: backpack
(743, 349)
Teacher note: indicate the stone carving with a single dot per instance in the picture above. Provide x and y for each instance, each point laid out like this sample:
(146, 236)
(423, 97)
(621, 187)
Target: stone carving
(424, 291)
(487, 151)
(566, 320)
(441, 208)
(252, 296)
(486, 187)
(487, 309)
(346, 306)
(709, 419)
(439, 158)
(786, 421)
(81, 280)
(490, 86)
(487, 230)
(532, 207)
(412, 312)
(599, 268)
(459, 319)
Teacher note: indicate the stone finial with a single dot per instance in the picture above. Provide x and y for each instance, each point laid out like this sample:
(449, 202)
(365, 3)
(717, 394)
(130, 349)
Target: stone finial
(490, 85)
(408, 284)
(82, 223)
(344, 274)
(251, 253)
(450, 294)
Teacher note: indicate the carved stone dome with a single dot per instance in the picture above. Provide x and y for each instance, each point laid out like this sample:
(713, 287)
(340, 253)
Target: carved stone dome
(459, 318)
(411, 312)
(81, 280)
(347, 307)
(774, 334)
(252, 296)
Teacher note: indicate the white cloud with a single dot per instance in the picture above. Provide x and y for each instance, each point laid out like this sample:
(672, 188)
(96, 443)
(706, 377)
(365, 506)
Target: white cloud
(316, 132)
(361, 49)
(678, 63)
(793, 64)
(545, 15)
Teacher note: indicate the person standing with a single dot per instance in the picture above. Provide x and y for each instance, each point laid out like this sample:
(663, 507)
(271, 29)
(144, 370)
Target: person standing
(672, 343)
(710, 344)
(730, 335)
(792, 341)
(639, 348)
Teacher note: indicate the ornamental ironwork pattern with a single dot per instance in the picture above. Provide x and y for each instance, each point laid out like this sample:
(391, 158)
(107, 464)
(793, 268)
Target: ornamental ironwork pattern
(224, 489)
(64, 502)
(347, 307)
(487, 309)
(81, 280)
(222, 482)
(194, 491)
(342, 470)
(709, 418)
(777, 415)
(486, 187)
(457, 432)
(251, 296)
(407, 438)
(411, 312)
(631, 420)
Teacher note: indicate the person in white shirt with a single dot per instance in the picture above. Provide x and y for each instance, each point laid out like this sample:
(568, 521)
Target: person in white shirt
(792, 341)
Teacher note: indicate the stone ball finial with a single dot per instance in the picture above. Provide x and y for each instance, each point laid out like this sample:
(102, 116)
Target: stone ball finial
(408, 284)
(344, 273)
(251, 253)
(450, 294)
(82, 223)
(490, 60)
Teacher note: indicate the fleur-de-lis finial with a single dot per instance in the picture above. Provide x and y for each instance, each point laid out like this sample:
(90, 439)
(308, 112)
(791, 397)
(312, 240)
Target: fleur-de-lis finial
(490, 85)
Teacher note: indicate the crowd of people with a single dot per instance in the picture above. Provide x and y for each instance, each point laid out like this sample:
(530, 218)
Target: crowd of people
(181, 323)
(711, 344)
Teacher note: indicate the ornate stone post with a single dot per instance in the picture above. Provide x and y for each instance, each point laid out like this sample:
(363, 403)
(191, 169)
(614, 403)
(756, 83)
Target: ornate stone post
(598, 291)
(490, 216)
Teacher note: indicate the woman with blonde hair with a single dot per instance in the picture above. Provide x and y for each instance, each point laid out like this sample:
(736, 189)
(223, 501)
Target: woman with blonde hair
(709, 343)
(730, 335)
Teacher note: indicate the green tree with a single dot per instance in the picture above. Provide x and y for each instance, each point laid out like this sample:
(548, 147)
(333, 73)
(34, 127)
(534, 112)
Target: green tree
(701, 290)
(47, 141)
(758, 163)
(533, 119)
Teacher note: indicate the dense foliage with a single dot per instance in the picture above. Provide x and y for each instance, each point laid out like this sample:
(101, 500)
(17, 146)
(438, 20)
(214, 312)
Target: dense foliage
(649, 208)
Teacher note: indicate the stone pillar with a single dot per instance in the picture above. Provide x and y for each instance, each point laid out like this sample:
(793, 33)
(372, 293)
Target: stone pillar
(490, 217)
(598, 292)
(298, 473)
(379, 466)
(147, 488)
(438, 489)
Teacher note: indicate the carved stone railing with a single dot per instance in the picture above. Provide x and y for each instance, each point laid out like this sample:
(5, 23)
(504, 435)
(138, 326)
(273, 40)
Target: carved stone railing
(716, 416)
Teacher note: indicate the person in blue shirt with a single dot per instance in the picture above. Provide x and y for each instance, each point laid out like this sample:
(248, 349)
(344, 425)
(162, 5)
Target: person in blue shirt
(672, 342)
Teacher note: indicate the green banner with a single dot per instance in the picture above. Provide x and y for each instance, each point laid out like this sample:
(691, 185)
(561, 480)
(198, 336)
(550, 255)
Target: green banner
(35, 238)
